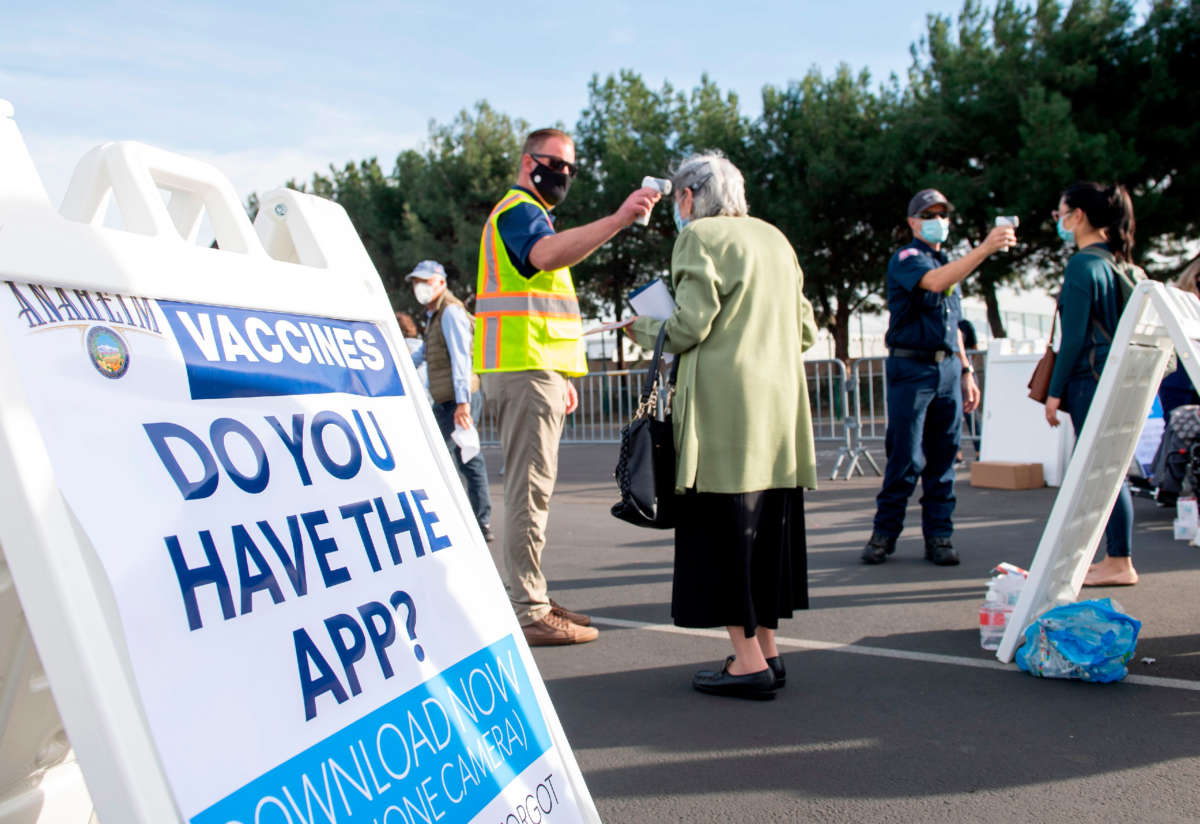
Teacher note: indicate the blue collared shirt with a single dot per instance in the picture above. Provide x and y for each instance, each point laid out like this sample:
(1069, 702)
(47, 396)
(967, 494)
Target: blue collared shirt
(920, 319)
(458, 331)
(521, 227)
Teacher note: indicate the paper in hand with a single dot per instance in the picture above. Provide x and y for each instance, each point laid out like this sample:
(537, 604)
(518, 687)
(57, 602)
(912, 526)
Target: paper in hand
(467, 440)
(608, 327)
(653, 300)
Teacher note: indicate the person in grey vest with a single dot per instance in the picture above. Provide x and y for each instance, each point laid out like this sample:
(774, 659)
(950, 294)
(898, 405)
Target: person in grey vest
(453, 384)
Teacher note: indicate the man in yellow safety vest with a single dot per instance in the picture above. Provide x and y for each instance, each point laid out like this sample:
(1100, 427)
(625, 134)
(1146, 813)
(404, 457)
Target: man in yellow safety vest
(527, 344)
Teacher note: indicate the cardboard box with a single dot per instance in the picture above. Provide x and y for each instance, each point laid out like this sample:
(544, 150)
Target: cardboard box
(1006, 475)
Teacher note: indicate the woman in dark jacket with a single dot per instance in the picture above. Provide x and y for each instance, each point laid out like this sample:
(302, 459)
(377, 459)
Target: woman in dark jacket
(1099, 221)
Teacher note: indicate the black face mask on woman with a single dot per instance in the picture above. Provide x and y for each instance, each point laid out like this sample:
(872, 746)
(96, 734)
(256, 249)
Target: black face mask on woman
(551, 185)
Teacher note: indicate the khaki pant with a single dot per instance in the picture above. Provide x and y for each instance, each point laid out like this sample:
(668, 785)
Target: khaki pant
(530, 406)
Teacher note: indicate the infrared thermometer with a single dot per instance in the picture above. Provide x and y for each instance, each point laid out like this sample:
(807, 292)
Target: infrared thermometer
(662, 185)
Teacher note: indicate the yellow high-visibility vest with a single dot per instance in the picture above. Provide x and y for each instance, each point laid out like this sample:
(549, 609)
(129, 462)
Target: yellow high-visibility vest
(524, 323)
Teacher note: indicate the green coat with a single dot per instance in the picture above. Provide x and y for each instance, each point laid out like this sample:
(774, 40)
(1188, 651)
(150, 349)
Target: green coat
(742, 323)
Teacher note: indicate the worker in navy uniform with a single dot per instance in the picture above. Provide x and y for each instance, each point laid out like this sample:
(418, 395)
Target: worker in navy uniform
(930, 382)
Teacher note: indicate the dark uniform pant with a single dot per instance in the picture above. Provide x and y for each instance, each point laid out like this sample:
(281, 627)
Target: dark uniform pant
(923, 432)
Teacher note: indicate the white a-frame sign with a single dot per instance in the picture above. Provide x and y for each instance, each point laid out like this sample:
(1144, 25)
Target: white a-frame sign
(239, 546)
(1156, 319)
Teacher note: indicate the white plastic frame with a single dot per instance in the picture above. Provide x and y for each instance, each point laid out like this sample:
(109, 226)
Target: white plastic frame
(1156, 319)
(323, 269)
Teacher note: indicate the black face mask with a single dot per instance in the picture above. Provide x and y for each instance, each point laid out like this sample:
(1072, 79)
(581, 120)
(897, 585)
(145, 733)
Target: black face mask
(551, 185)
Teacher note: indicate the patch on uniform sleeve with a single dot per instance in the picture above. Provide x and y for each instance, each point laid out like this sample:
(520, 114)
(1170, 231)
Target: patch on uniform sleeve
(905, 253)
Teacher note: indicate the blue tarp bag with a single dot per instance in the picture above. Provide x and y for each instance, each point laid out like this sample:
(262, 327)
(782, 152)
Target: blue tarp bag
(1087, 640)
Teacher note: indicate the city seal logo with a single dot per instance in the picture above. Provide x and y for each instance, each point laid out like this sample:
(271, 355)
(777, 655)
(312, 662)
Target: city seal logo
(108, 351)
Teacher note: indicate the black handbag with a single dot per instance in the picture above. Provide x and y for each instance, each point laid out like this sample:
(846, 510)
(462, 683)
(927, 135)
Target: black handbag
(645, 470)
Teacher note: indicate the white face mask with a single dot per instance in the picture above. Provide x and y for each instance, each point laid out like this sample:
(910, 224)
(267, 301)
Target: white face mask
(423, 292)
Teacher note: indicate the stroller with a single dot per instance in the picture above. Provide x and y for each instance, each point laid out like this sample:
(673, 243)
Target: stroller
(1176, 467)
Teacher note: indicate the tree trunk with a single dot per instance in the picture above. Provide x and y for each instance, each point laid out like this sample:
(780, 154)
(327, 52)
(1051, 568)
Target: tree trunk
(995, 323)
(841, 330)
(620, 332)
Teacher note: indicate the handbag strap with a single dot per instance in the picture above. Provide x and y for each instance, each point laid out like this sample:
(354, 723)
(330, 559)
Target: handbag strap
(649, 397)
(652, 372)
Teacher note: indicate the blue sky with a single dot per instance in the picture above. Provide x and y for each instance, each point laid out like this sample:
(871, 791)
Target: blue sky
(269, 92)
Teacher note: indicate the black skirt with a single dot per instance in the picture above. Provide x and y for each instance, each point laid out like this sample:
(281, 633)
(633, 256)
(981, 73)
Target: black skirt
(741, 559)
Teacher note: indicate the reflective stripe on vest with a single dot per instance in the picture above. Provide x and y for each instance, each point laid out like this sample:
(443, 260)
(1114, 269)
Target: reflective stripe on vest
(523, 323)
(491, 342)
(529, 303)
(491, 238)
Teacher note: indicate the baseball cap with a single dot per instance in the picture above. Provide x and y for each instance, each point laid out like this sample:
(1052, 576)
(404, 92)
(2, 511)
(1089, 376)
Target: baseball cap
(925, 198)
(427, 269)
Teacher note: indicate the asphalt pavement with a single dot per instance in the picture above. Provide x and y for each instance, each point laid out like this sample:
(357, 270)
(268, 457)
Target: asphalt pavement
(892, 711)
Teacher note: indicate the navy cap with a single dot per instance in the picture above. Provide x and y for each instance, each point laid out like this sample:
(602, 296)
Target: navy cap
(427, 269)
(925, 198)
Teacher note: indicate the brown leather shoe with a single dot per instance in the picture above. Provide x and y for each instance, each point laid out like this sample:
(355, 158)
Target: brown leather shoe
(574, 617)
(556, 631)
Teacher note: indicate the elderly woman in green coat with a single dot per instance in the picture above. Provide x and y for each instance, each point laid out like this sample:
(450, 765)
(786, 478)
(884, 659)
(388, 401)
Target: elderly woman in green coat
(743, 428)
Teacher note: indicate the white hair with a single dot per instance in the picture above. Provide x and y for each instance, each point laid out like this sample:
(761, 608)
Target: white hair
(717, 185)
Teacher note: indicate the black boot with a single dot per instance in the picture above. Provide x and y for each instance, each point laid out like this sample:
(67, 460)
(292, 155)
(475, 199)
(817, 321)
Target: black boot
(878, 547)
(939, 551)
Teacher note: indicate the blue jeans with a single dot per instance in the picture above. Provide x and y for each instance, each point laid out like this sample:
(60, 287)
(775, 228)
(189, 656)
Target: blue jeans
(474, 471)
(923, 434)
(1118, 533)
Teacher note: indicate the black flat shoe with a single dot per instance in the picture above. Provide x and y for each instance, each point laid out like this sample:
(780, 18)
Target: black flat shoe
(775, 663)
(758, 686)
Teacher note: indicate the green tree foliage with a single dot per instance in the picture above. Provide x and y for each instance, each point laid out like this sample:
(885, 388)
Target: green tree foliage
(1166, 110)
(1004, 106)
(435, 201)
(626, 132)
(450, 189)
(1015, 103)
(376, 208)
(829, 173)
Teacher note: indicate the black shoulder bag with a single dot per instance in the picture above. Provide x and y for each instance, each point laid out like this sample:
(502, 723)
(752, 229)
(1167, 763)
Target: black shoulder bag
(645, 470)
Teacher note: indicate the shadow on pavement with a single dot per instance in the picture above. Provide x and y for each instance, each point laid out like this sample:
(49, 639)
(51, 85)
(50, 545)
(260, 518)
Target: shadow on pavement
(858, 727)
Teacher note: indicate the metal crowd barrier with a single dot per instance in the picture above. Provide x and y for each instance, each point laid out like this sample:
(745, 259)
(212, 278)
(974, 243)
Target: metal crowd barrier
(827, 398)
(607, 401)
(848, 406)
(868, 391)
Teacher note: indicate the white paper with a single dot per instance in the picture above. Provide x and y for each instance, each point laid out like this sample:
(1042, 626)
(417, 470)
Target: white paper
(608, 327)
(653, 300)
(467, 440)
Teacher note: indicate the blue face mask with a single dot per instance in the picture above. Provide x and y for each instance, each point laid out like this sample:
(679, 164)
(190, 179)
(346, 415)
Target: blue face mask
(1068, 236)
(935, 230)
(679, 221)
